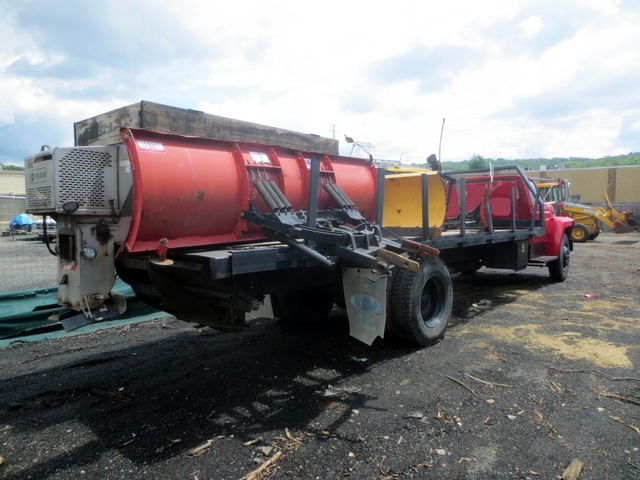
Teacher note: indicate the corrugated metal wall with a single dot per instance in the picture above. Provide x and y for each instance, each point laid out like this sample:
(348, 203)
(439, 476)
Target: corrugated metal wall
(621, 184)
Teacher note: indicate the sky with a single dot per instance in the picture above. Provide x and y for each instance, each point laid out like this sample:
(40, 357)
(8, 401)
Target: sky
(498, 78)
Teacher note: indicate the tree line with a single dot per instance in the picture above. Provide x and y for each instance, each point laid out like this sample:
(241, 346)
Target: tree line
(10, 167)
(478, 162)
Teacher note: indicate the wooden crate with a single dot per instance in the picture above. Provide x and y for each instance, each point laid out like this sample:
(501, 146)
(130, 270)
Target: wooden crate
(104, 129)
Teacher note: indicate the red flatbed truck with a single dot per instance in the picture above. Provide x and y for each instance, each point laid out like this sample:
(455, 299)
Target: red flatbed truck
(206, 229)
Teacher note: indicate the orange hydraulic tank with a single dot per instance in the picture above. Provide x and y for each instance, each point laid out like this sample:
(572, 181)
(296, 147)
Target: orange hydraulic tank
(192, 190)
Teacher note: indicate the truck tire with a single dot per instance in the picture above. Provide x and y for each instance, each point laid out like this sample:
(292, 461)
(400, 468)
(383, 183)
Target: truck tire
(580, 233)
(307, 306)
(420, 303)
(594, 235)
(559, 268)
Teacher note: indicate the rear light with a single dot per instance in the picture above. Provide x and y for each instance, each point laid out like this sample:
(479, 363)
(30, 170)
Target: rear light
(560, 205)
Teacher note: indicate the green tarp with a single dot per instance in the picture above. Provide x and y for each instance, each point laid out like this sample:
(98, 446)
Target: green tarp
(24, 314)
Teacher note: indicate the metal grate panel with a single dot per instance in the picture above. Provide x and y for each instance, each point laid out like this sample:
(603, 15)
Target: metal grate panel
(82, 177)
(40, 197)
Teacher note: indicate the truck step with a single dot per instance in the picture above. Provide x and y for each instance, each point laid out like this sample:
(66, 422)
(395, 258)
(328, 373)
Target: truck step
(544, 259)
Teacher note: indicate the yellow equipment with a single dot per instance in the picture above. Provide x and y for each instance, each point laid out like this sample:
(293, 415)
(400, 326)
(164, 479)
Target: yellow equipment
(586, 217)
(403, 199)
(554, 190)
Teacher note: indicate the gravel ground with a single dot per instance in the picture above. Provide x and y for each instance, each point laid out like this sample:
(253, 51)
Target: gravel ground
(25, 263)
(530, 377)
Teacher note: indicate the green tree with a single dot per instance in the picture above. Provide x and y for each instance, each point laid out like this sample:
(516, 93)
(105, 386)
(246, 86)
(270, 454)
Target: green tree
(10, 167)
(477, 162)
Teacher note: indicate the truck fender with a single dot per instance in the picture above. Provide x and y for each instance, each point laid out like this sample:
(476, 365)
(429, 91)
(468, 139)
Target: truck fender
(556, 228)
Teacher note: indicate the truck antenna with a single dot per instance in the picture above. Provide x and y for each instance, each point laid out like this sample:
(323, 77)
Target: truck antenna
(440, 144)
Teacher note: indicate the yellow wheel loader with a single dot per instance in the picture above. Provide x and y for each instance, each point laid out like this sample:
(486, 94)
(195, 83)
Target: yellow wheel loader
(586, 217)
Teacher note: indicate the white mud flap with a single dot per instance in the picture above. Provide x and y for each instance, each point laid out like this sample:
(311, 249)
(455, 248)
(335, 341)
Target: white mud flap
(365, 294)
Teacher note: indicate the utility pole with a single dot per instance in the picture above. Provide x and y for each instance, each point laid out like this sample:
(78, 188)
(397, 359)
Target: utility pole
(333, 130)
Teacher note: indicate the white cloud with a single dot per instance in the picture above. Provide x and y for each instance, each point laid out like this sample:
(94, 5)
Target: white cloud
(531, 26)
(513, 79)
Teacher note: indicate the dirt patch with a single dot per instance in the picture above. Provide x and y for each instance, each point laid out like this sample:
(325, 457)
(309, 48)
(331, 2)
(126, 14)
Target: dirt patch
(571, 345)
(530, 376)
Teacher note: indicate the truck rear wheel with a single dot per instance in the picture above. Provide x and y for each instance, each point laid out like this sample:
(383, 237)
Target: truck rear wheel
(559, 268)
(580, 233)
(303, 307)
(420, 303)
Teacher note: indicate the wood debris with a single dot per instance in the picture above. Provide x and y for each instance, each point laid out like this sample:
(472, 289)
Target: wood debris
(573, 470)
(602, 374)
(622, 399)
(289, 442)
(340, 391)
(534, 399)
(462, 384)
(485, 382)
(556, 387)
(384, 471)
(171, 443)
(449, 420)
(265, 470)
(252, 442)
(619, 420)
(550, 427)
(133, 439)
(194, 452)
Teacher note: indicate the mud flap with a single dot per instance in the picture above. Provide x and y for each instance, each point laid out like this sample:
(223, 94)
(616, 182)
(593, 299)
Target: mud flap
(365, 294)
(116, 307)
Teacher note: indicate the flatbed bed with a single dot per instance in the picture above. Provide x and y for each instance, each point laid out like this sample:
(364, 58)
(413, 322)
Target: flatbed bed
(206, 229)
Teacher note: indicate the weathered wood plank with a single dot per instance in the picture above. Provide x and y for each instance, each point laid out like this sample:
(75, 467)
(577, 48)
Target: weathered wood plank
(103, 129)
(573, 470)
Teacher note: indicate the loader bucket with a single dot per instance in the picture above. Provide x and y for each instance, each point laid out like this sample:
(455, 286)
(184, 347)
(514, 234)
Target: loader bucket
(621, 227)
(631, 220)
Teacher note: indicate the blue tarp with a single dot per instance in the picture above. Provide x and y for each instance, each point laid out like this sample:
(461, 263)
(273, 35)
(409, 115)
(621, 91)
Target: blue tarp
(19, 221)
